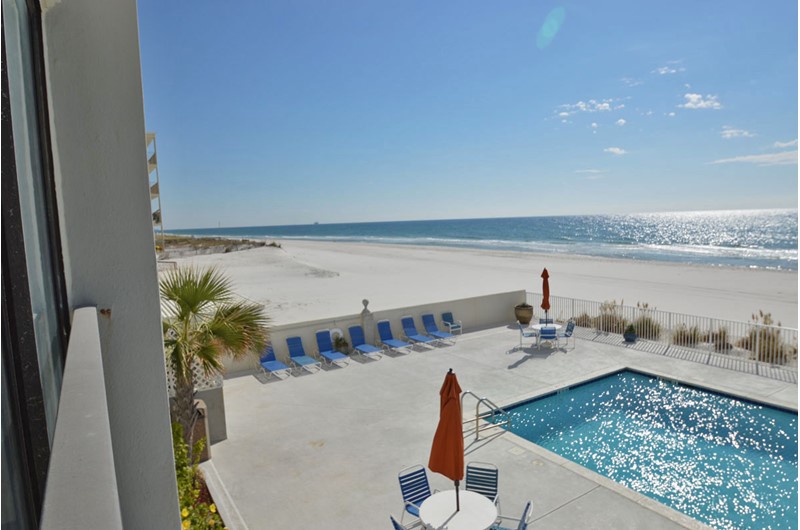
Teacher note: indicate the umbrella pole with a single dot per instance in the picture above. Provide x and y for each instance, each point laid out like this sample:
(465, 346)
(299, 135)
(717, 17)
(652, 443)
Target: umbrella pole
(458, 507)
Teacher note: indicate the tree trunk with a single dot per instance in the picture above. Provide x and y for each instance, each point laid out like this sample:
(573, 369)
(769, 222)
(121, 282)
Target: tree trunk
(183, 409)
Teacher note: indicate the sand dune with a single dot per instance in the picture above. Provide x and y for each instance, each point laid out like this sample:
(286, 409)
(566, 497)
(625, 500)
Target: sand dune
(307, 280)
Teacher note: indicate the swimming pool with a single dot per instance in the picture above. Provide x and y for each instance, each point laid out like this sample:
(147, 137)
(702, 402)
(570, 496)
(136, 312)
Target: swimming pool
(727, 462)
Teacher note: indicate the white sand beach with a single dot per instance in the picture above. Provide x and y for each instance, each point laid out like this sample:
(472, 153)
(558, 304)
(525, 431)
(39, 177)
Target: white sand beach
(306, 280)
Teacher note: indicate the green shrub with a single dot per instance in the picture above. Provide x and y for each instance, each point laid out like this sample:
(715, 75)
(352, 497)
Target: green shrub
(610, 320)
(197, 509)
(647, 327)
(685, 336)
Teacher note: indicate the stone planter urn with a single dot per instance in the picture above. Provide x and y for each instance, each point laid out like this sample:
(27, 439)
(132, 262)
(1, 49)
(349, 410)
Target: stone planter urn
(524, 313)
(630, 334)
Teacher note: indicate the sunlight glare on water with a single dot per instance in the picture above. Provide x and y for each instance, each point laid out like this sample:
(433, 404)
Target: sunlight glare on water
(726, 462)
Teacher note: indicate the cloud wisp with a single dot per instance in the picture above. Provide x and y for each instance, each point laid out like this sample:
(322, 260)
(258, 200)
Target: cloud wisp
(592, 105)
(592, 174)
(781, 145)
(698, 101)
(784, 158)
(617, 151)
(729, 132)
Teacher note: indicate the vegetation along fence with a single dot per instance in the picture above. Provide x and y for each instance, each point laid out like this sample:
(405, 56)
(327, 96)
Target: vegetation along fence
(760, 340)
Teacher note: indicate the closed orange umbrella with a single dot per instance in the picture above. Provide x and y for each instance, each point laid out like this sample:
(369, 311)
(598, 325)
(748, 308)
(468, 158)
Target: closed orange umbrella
(545, 292)
(447, 451)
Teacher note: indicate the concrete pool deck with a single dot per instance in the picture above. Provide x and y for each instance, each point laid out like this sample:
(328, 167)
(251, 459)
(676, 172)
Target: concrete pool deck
(323, 450)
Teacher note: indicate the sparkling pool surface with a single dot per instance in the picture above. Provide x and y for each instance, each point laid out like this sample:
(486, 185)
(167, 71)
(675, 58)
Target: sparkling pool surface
(723, 461)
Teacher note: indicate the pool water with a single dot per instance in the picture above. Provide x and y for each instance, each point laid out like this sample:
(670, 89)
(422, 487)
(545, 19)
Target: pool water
(723, 461)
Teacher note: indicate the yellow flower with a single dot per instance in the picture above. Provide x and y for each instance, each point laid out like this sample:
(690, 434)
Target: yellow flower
(185, 512)
(187, 523)
(211, 522)
(213, 508)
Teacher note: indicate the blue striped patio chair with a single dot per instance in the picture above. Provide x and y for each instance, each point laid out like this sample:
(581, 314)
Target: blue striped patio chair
(450, 323)
(523, 521)
(415, 489)
(568, 333)
(483, 478)
(549, 335)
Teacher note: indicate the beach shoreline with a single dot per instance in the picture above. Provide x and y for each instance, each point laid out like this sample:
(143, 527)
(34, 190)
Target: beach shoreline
(309, 279)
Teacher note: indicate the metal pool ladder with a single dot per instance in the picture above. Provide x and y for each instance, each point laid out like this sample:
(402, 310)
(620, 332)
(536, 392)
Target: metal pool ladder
(494, 415)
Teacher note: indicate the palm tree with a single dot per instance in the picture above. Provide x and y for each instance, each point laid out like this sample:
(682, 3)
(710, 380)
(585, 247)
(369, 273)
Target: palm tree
(203, 321)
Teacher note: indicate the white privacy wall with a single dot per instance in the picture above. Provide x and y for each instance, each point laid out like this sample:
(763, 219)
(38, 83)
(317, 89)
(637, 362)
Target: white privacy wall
(97, 123)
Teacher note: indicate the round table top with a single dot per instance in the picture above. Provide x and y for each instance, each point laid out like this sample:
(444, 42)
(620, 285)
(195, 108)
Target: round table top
(476, 513)
(538, 327)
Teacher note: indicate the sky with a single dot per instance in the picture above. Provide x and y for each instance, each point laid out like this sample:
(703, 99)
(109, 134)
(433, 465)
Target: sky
(293, 112)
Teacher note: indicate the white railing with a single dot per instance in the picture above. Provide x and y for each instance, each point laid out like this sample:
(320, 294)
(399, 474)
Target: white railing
(775, 345)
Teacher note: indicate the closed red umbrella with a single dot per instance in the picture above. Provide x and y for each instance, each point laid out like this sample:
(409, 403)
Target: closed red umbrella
(447, 451)
(545, 292)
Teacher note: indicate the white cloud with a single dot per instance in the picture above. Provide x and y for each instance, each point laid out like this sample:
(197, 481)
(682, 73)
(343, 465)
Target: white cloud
(784, 158)
(668, 70)
(591, 105)
(629, 81)
(594, 125)
(697, 101)
(621, 122)
(615, 151)
(790, 143)
(729, 132)
(592, 174)
(671, 114)
(563, 114)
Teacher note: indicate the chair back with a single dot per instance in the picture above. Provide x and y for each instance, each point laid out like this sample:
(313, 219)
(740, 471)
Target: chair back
(429, 323)
(268, 354)
(448, 317)
(395, 524)
(324, 340)
(414, 485)
(385, 330)
(545, 321)
(521, 327)
(357, 336)
(295, 345)
(523, 521)
(408, 326)
(482, 478)
(548, 333)
(570, 328)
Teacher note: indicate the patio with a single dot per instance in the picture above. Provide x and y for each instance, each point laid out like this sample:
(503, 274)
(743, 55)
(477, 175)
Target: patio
(323, 450)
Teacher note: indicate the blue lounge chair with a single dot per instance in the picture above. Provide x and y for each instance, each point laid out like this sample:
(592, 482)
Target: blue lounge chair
(386, 338)
(451, 324)
(568, 333)
(523, 521)
(525, 334)
(360, 344)
(298, 355)
(415, 489)
(429, 324)
(272, 366)
(327, 352)
(411, 333)
(482, 478)
(547, 334)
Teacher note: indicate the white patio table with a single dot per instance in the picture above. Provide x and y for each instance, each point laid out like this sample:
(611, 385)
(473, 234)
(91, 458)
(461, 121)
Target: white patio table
(538, 327)
(439, 511)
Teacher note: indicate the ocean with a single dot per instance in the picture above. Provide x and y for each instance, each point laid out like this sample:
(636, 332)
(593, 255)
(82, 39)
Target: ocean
(737, 238)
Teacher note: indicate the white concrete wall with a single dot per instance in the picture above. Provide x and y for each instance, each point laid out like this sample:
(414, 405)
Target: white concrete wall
(474, 313)
(97, 123)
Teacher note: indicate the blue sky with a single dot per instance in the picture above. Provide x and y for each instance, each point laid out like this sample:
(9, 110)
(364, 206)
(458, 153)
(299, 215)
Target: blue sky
(283, 112)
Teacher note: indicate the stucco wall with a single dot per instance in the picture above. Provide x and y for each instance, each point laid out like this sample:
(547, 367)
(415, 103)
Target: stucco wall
(97, 121)
(474, 313)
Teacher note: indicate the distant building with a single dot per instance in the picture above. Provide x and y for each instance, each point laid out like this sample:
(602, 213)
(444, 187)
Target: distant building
(86, 431)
